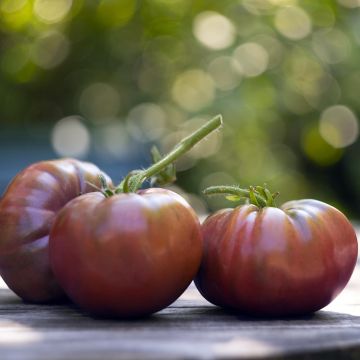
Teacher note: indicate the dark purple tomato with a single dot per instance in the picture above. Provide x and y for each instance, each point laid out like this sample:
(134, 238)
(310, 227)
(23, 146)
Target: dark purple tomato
(127, 255)
(27, 211)
(276, 261)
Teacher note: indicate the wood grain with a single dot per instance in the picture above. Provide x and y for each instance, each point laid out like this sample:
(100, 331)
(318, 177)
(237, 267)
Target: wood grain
(191, 328)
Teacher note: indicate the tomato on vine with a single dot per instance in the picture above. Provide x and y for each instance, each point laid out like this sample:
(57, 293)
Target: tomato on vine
(127, 252)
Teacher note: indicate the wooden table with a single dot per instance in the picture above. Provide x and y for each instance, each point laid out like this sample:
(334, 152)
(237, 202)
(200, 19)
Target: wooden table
(191, 328)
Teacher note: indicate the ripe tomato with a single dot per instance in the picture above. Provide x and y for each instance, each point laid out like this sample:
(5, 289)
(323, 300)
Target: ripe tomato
(126, 255)
(276, 261)
(27, 211)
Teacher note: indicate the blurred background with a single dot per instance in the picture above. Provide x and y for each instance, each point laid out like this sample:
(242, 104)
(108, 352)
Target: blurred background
(104, 80)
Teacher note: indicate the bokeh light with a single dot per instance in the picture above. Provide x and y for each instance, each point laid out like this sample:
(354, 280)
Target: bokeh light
(51, 11)
(293, 22)
(214, 30)
(70, 137)
(252, 59)
(113, 141)
(193, 90)
(274, 48)
(50, 49)
(146, 122)
(339, 126)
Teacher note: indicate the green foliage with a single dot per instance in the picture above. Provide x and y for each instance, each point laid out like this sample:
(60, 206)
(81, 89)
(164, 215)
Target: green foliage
(276, 69)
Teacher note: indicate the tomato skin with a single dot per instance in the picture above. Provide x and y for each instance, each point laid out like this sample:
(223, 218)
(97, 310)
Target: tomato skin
(276, 262)
(128, 255)
(27, 211)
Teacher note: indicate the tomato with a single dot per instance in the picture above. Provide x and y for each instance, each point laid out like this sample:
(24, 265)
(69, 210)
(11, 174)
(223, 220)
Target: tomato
(27, 211)
(126, 255)
(276, 261)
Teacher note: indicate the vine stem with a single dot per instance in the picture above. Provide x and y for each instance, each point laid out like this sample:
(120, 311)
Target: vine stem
(184, 146)
(259, 196)
(135, 181)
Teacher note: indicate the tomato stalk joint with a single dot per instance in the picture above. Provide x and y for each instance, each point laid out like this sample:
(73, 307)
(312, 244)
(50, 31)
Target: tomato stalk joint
(162, 171)
(256, 195)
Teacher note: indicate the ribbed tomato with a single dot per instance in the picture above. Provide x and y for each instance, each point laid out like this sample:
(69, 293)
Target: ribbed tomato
(27, 211)
(276, 261)
(126, 255)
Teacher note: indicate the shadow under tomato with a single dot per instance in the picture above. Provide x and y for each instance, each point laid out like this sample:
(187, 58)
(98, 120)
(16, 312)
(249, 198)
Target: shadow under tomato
(9, 298)
(322, 317)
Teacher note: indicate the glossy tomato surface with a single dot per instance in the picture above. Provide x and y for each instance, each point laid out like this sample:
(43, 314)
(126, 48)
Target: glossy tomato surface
(27, 211)
(128, 255)
(276, 261)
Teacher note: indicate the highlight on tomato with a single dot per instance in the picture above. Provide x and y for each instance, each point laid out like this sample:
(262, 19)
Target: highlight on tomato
(264, 260)
(126, 252)
(27, 211)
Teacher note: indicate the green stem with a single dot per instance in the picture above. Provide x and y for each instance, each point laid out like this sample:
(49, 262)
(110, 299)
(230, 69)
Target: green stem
(184, 146)
(135, 181)
(254, 194)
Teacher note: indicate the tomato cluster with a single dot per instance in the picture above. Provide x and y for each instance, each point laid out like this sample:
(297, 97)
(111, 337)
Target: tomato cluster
(126, 255)
(67, 231)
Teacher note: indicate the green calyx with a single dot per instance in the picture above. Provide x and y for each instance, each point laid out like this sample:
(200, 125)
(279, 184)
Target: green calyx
(256, 195)
(104, 188)
(162, 171)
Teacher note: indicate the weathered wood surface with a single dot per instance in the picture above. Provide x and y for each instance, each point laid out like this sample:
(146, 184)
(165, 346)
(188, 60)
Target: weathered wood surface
(189, 329)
